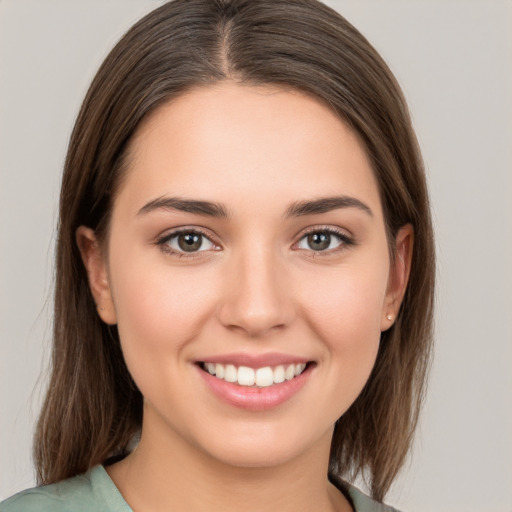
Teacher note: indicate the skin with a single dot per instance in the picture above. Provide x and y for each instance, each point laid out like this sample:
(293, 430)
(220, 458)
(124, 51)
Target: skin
(259, 287)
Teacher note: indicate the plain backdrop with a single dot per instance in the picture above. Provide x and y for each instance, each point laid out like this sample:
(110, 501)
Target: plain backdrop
(454, 61)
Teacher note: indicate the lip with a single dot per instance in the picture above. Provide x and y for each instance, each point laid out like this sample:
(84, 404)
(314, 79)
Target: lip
(255, 398)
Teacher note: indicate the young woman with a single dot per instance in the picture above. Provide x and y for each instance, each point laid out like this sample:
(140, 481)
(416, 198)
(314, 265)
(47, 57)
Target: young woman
(245, 271)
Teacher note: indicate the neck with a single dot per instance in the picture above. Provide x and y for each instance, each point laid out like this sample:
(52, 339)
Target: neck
(165, 473)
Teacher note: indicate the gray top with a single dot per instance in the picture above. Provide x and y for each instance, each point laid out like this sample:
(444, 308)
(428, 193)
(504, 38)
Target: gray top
(95, 491)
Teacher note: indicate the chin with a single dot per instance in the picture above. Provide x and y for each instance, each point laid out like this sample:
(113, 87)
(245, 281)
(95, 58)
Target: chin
(265, 448)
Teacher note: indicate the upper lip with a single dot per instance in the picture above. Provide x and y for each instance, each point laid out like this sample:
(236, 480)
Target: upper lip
(255, 360)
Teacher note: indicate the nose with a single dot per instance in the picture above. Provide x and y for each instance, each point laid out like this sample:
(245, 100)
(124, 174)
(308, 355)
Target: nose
(256, 300)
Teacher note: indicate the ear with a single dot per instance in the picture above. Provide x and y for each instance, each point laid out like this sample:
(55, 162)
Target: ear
(398, 275)
(96, 267)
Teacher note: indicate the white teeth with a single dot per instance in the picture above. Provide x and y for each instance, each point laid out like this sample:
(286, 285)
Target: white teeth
(219, 371)
(289, 372)
(299, 368)
(230, 374)
(279, 374)
(264, 377)
(246, 376)
(261, 377)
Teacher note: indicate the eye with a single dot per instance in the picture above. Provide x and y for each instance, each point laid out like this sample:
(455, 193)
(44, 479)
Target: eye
(184, 242)
(324, 240)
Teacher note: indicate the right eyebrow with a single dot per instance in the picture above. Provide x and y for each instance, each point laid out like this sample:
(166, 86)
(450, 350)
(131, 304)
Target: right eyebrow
(181, 204)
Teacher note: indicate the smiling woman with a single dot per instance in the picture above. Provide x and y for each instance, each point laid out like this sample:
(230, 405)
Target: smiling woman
(245, 268)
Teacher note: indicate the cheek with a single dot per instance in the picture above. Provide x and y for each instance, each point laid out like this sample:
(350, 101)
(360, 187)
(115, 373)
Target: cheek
(159, 310)
(346, 305)
(344, 311)
(165, 305)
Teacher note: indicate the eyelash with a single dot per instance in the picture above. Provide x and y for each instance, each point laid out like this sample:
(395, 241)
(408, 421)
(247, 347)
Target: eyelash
(345, 242)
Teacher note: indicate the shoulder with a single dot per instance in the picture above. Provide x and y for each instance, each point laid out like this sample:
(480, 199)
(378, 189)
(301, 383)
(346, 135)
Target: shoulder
(91, 491)
(72, 495)
(67, 494)
(360, 501)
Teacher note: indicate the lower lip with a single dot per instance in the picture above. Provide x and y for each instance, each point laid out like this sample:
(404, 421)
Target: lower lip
(255, 398)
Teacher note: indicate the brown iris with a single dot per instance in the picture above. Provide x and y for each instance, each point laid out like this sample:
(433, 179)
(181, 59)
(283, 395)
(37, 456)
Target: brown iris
(319, 241)
(190, 242)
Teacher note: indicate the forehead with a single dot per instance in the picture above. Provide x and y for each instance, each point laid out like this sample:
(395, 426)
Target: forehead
(243, 145)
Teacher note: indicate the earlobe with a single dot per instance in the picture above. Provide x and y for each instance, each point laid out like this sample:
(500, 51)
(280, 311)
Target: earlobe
(398, 275)
(96, 267)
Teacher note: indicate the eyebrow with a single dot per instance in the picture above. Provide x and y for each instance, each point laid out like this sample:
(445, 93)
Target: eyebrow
(219, 211)
(324, 205)
(198, 207)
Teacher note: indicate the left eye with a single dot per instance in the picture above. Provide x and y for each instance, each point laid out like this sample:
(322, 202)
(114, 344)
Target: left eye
(320, 241)
(189, 241)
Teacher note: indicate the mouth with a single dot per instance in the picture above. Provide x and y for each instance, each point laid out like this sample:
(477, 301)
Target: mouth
(255, 382)
(263, 377)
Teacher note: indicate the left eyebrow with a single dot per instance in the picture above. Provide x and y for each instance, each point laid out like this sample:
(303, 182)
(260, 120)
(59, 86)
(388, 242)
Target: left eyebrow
(198, 207)
(324, 205)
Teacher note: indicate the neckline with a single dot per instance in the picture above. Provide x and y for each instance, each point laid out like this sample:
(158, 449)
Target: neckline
(107, 492)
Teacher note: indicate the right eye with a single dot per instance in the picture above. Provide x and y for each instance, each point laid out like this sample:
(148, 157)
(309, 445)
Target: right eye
(186, 243)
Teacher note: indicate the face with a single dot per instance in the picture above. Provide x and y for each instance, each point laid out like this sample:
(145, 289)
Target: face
(248, 271)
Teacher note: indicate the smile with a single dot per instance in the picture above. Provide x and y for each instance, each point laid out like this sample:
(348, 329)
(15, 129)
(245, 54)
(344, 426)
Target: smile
(255, 382)
(254, 377)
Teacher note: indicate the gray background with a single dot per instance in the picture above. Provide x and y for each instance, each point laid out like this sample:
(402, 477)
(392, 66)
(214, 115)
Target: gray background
(454, 61)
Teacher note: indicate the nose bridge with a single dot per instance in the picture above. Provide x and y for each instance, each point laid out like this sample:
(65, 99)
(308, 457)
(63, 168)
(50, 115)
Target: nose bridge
(255, 299)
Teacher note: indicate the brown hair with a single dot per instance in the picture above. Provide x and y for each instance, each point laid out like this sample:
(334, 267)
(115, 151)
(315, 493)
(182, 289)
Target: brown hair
(93, 408)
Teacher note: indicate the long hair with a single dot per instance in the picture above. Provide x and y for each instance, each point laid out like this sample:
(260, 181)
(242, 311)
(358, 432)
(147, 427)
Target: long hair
(93, 408)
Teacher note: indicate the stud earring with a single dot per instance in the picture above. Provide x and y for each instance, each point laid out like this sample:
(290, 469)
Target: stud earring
(389, 317)
(100, 308)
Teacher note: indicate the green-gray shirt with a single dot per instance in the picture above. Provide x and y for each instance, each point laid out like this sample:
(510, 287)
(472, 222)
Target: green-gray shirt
(95, 491)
